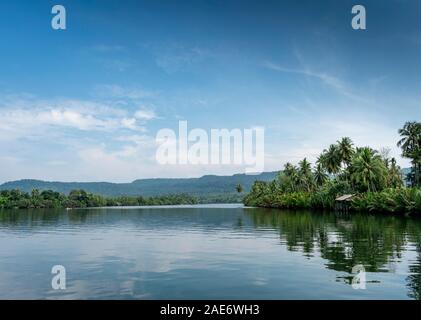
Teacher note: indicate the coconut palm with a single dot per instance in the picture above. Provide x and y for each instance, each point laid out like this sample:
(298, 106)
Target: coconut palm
(321, 159)
(305, 176)
(368, 171)
(411, 146)
(345, 150)
(394, 175)
(289, 169)
(331, 160)
(289, 178)
(320, 176)
(305, 167)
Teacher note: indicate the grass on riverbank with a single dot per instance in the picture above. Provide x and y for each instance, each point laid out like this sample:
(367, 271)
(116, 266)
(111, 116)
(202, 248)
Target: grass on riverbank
(400, 200)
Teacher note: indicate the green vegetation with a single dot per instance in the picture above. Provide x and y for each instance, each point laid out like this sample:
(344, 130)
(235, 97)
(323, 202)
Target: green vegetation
(372, 176)
(411, 148)
(82, 199)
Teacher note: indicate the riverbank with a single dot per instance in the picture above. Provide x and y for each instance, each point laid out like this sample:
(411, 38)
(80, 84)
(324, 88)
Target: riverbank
(393, 200)
(16, 199)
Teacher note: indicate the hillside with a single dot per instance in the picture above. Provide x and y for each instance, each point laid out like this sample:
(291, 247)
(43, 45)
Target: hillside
(209, 188)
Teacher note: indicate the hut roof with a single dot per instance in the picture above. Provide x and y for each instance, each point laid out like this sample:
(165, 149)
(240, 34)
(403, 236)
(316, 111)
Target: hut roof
(345, 197)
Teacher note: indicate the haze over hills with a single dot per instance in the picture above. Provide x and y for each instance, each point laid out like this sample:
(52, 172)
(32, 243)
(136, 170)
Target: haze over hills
(207, 188)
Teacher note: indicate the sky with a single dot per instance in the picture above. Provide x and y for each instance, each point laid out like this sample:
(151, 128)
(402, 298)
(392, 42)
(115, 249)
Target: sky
(86, 103)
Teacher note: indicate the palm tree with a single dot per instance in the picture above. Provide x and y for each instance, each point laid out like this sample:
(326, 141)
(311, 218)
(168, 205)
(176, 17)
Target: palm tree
(289, 178)
(305, 167)
(345, 150)
(320, 176)
(411, 146)
(289, 169)
(258, 188)
(368, 171)
(331, 160)
(305, 177)
(394, 175)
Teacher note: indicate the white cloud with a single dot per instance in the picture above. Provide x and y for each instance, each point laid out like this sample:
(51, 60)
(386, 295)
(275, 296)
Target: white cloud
(24, 116)
(334, 82)
(140, 140)
(130, 123)
(70, 118)
(67, 139)
(145, 114)
(326, 78)
(21, 122)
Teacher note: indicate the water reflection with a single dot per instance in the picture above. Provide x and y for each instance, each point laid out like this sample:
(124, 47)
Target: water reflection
(231, 251)
(345, 240)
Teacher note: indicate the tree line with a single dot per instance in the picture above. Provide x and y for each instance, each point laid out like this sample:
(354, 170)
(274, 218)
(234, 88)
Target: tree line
(82, 199)
(343, 168)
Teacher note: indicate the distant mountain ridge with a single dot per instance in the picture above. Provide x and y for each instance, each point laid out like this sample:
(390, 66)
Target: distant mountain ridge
(208, 186)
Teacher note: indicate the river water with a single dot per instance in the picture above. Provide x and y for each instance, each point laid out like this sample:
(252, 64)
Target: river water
(208, 252)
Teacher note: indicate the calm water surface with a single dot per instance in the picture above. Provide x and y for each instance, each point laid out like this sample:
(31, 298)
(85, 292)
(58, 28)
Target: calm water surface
(207, 252)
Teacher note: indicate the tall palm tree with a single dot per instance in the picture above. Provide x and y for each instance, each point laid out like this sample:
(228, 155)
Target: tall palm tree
(290, 178)
(305, 167)
(394, 175)
(305, 176)
(411, 146)
(289, 169)
(345, 150)
(320, 176)
(368, 171)
(331, 160)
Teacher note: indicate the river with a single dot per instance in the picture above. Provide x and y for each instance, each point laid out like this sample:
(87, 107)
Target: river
(208, 252)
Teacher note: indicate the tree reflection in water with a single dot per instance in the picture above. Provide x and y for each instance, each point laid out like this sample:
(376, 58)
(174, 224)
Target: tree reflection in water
(378, 242)
(345, 240)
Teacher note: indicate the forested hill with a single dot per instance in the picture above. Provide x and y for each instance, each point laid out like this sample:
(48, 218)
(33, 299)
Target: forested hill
(208, 187)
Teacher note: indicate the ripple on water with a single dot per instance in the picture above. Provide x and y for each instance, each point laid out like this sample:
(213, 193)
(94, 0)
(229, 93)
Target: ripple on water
(208, 252)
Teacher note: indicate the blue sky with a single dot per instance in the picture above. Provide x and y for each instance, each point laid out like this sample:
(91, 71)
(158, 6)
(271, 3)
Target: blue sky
(85, 104)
